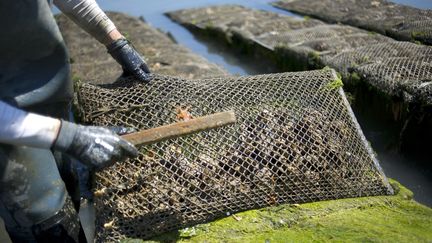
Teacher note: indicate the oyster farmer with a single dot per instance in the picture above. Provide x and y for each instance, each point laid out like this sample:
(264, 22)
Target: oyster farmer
(37, 142)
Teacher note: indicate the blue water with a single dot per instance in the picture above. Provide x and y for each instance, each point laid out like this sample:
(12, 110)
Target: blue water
(410, 171)
(425, 4)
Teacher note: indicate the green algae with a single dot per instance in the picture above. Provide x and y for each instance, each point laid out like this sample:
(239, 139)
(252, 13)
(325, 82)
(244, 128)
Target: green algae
(315, 57)
(355, 77)
(395, 218)
(75, 78)
(418, 34)
(334, 84)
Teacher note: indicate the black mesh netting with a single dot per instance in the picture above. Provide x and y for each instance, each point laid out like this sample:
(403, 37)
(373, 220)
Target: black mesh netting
(295, 140)
(399, 69)
(402, 70)
(324, 41)
(399, 21)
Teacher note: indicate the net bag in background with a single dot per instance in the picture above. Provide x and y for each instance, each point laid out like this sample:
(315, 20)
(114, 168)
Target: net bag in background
(296, 140)
(399, 21)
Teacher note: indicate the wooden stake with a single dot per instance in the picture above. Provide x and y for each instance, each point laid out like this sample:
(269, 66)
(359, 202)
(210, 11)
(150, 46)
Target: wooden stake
(157, 134)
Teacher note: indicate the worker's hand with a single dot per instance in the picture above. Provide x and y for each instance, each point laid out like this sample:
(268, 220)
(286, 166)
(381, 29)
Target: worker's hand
(121, 130)
(96, 147)
(131, 61)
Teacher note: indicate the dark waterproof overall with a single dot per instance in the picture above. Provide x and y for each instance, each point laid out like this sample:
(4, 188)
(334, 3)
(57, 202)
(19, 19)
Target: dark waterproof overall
(34, 76)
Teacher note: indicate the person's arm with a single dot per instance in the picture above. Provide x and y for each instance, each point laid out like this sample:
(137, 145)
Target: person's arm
(97, 147)
(23, 128)
(88, 15)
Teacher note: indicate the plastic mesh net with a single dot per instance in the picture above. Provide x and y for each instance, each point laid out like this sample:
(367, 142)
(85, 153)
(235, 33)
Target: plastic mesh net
(377, 54)
(392, 67)
(232, 17)
(324, 40)
(295, 140)
(399, 21)
(400, 69)
(401, 74)
(307, 43)
(307, 34)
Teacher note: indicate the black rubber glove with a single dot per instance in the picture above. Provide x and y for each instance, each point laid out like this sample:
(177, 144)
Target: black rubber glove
(120, 130)
(96, 147)
(131, 61)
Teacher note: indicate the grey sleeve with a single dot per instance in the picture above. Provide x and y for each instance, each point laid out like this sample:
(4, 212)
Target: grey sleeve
(19, 127)
(88, 15)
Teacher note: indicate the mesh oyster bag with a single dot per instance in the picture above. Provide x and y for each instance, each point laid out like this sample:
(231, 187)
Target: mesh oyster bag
(386, 17)
(296, 140)
(399, 69)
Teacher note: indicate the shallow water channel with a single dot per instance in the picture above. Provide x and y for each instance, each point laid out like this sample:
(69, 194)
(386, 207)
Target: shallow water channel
(412, 171)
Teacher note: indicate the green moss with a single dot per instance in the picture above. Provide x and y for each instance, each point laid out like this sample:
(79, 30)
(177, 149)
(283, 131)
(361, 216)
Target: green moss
(355, 77)
(75, 78)
(365, 59)
(382, 219)
(334, 84)
(418, 34)
(353, 82)
(314, 56)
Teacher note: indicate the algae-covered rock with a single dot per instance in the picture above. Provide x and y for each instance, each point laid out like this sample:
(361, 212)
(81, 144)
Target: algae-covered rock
(395, 218)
